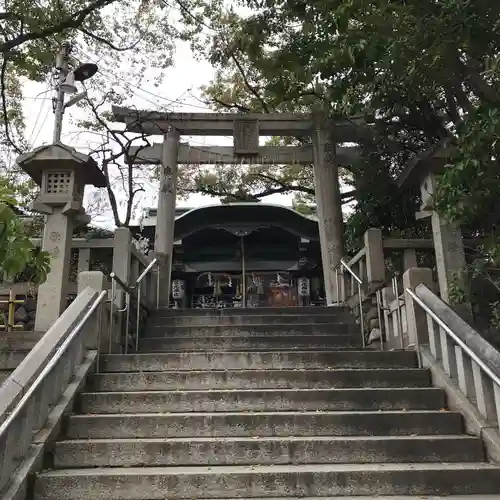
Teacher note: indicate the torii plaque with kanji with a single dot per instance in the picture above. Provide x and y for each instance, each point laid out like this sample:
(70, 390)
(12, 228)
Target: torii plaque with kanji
(246, 137)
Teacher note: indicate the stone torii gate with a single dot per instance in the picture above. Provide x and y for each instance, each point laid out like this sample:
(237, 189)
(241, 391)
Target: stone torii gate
(246, 129)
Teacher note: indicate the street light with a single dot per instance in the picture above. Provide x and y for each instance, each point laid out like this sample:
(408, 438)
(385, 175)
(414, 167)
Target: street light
(85, 71)
(67, 85)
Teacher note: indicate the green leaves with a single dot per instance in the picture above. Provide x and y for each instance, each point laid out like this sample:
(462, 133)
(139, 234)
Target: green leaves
(469, 189)
(17, 253)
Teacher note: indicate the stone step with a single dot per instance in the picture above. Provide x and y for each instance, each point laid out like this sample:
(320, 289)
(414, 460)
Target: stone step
(249, 330)
(254, 311)
(155, 483)
(259, 379)
(336, 423)
(262, 400)
(257, 360)
(384, 497)
(252, 319)
(257, 450)
(207, 343)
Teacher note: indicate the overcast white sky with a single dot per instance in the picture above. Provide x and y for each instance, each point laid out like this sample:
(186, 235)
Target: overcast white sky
(181, 84)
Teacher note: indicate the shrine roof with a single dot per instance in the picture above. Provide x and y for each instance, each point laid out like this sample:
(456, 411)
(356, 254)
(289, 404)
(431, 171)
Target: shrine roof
(241, 217)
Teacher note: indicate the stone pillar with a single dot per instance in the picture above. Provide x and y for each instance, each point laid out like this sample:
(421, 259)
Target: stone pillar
(448, 244)
(449, 250)
(329, 207)
(97, 329)
(375, 264)
(122, 257)
(416, 317)
(83, 260)
(409, 258)
(52, 294)
(165, 219)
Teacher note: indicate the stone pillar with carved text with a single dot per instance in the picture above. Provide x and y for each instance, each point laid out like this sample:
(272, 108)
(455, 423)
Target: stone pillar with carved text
(165, 219)
(329, 206)
(52, 294)
(448, 243)
(62, 174)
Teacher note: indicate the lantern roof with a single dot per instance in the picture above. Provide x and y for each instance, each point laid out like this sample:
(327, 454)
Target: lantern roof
(59, 156)
(432, 160)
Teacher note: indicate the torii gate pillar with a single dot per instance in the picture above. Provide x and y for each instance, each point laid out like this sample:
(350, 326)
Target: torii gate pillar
(329, 205)
(165, 218)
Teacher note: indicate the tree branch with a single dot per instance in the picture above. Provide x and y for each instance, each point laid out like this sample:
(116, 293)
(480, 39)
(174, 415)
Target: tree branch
(4, 106)
(346, 197)
(74, 21)
(250, 87)
(107, 42)
(243, 109)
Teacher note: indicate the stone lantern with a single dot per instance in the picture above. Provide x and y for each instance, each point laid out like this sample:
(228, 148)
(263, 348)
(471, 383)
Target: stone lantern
(62, 174)
(447, 237)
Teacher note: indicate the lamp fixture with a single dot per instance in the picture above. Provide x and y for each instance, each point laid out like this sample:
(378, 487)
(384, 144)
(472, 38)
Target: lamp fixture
(85, 71)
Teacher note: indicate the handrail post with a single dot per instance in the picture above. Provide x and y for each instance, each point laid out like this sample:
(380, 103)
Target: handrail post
(138, 316)
(96, 329)
(361, 315)
(122, 257)
(375, 264)
(356, 279)
(380, 306)
(112, 309)
(127, 320)
(416, 319)
(395, 288)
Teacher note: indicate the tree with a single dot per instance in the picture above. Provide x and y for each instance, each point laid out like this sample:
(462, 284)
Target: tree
(17, 253)
(124, 37)
(125, 180)
(128, 35)
(415, 72)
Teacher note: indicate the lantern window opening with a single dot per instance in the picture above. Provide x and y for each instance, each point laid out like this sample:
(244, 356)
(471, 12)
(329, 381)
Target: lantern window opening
(58, 182)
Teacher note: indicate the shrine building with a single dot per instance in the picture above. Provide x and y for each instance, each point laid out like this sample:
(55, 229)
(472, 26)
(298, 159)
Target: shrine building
(242, 255)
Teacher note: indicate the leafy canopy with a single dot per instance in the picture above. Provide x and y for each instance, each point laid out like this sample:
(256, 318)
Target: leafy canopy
(415, 72)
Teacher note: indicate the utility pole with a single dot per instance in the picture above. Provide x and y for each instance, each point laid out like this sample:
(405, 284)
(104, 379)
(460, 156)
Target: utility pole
(62, 65)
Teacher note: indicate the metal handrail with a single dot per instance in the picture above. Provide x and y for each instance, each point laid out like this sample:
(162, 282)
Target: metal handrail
(146, 271)
(359, 281)
(127, 288)
(131, 288)
(48, 367)
(353, 274)
(494, 377)
(129, 291)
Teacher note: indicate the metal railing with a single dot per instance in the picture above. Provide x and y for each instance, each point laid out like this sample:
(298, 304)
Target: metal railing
(493, 376)
(359, 282)
(470, 371)
(399, 318)
(130, 290)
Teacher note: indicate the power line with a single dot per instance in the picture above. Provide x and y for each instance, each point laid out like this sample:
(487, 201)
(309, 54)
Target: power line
(33, 138)
(114, 80)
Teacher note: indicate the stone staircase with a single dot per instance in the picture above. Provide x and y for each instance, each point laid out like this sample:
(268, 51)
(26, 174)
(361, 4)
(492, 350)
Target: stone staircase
(262, 404)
